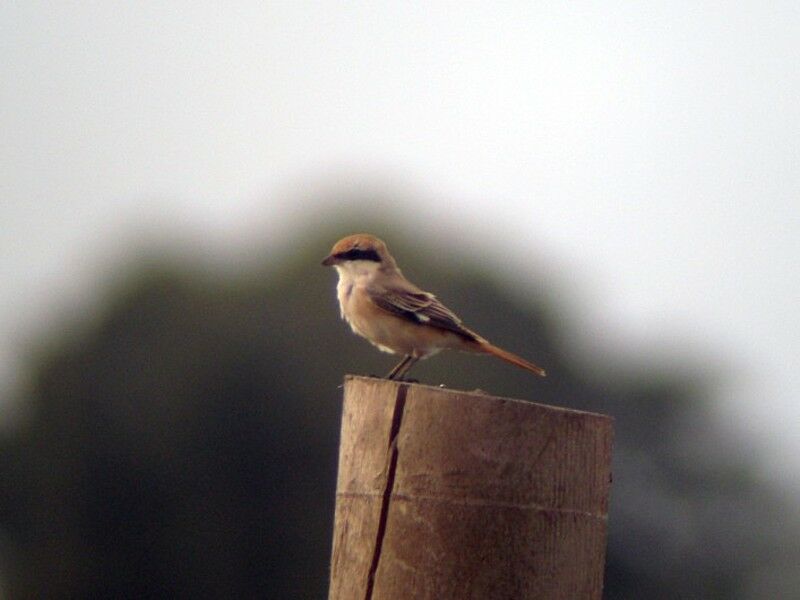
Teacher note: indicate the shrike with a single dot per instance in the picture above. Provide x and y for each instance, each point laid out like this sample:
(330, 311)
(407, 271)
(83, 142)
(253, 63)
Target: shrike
(381, 305)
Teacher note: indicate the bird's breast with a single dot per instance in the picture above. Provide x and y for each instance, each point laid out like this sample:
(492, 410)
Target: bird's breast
(344, 290)
(389, 332)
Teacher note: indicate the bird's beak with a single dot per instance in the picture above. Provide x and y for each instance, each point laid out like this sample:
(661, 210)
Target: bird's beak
(329, 260)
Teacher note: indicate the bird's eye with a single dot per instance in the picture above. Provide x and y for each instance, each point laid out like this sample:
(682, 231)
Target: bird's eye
(358, 254)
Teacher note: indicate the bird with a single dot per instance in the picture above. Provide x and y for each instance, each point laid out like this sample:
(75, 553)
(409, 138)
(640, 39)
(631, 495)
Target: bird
(396, 316)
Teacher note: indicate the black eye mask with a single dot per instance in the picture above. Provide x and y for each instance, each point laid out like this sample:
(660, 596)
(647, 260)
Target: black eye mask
(358, 254)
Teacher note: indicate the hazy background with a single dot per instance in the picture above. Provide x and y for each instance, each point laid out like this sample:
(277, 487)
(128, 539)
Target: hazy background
(619, 180)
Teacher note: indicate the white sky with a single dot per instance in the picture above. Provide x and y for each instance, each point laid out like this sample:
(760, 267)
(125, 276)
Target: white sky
(653, 148)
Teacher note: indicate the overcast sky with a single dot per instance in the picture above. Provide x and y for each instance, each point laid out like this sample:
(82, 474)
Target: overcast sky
(652, 150)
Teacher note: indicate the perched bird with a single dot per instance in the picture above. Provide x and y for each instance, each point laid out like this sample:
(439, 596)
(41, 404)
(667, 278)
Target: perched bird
(381, 305)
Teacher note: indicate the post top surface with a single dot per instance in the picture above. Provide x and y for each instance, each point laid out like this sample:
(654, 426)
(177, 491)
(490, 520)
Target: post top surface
(477, 394)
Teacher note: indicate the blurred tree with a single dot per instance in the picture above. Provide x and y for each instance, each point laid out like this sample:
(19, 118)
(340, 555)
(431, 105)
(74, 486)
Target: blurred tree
(184, 443)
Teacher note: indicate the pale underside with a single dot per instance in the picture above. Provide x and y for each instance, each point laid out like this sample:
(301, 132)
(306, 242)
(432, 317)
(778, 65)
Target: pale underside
(396, 316)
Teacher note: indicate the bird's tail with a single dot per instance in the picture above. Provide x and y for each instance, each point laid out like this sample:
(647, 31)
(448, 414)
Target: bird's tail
(511, 358)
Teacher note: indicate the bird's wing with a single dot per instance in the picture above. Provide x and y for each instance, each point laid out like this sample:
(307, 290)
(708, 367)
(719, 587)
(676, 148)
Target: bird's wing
(419, 307)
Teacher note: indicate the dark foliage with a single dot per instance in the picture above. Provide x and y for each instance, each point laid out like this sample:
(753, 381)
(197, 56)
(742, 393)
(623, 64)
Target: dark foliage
(184, 443)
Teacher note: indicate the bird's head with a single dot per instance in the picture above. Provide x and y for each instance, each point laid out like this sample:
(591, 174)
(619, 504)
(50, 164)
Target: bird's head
(362, 251)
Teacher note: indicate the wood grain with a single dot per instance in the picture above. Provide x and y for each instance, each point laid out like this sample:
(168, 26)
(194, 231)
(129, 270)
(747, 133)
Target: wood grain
(448, 494)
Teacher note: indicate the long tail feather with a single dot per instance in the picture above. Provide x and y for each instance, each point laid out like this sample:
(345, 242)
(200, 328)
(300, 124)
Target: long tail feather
(512, 358)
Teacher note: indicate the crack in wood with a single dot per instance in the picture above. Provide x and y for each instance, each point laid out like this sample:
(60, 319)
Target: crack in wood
(466, 501)
(397, 418)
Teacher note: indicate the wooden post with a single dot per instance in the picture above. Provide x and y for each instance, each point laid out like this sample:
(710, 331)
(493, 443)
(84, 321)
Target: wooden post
(444, 494)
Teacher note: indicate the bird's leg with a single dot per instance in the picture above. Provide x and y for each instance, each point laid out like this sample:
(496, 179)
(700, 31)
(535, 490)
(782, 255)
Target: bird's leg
(401, 366)
(401, 373)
